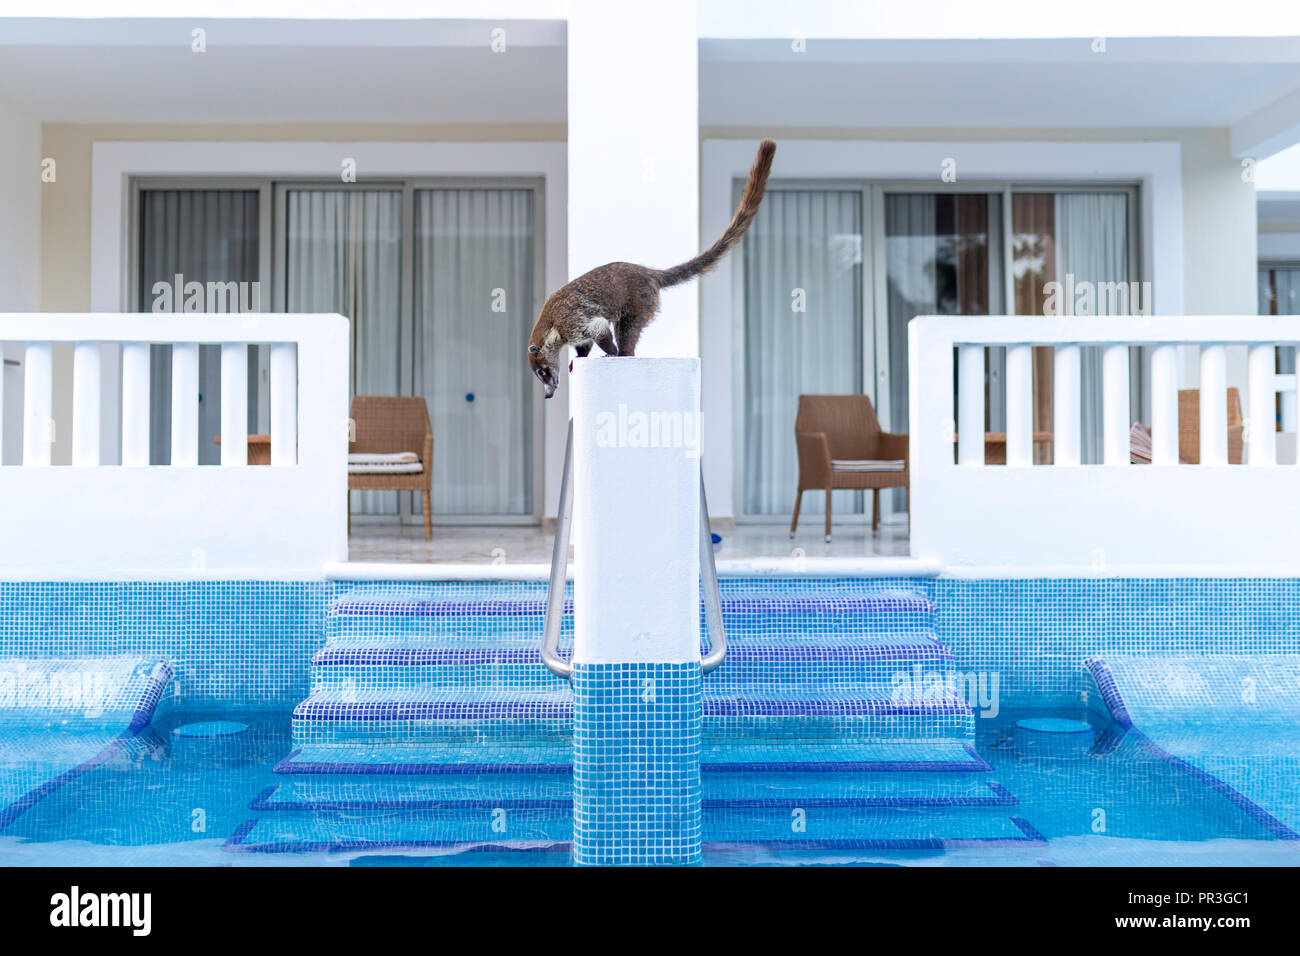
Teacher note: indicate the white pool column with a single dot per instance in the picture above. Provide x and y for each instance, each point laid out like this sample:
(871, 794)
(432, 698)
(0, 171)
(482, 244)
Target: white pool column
(636, 611)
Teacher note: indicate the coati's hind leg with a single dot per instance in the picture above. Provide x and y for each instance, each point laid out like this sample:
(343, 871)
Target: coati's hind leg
(606, 341)
(629, 333)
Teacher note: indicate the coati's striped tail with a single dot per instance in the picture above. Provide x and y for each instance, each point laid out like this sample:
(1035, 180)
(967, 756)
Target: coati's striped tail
(745, 213)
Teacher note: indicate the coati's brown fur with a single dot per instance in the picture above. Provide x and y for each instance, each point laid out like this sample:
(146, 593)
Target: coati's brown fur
(611, 304)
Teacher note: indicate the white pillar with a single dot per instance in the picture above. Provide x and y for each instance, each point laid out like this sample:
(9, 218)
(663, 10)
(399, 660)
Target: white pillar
(970, 405)
(85, 404)
(633, 156)
(1164, 405)
(1066, 399)
(185, 404)
(1114, 406)
(1262, 423)
(284, 404)
(637, 683)
(1020, 406)
(135, 404)
(640, 541)
(38, 404)
(234, 403)
(1214, 405)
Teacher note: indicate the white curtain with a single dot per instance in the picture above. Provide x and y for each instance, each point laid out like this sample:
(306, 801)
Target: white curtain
(911, 261)
(1092, 246)
(474, 308)
(204, 235)
(344, 254)
(803, 320)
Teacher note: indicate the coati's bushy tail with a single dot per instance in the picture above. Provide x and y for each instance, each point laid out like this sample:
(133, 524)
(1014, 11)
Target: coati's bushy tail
(745, 213)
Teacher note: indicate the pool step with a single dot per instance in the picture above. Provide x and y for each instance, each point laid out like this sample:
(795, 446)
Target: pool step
(932, 756)
(551, 827)
(359, 794)
(845, 662)
(473, 614)
(489, 714)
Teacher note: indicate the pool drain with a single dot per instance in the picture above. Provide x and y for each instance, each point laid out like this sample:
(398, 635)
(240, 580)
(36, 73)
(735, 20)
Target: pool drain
(1053, 737)
(211, 743)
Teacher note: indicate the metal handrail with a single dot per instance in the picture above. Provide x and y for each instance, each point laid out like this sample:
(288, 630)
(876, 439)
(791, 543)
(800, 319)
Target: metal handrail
(560, 560)
(712, 598)
(559, 563)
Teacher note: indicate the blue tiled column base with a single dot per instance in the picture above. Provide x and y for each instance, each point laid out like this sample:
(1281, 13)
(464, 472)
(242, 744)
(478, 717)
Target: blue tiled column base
(636, 764)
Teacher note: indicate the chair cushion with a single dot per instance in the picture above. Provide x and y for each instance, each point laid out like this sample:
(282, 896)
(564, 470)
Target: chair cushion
(867, 464)
(397, 463)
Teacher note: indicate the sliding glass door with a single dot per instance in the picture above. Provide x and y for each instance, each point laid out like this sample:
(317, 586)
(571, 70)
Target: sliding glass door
(343, 253)
(1070, 249)
(804, 329)
(211, 237)
(830, 275)
(474, 307)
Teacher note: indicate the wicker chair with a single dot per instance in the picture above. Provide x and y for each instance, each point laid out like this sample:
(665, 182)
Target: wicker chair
(1189, 426)
(387, 424)
(838, 438)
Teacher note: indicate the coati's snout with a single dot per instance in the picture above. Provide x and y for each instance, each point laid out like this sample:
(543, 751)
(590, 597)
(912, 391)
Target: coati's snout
(546, 373)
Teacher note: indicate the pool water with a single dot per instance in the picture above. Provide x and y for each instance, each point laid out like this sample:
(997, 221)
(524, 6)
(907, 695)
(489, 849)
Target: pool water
(1108, 802)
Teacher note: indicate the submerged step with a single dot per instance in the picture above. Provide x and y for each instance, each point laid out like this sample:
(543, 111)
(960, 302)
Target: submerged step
(844, 661)
(430, 758)
(552, 828)
(358, 794)
(721, 756)
(341, 715)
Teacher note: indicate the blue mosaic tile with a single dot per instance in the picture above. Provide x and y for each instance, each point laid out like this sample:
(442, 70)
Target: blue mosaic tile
(636, 764)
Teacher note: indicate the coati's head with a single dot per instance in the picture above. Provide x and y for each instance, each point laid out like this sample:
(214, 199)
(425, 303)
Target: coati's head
(544, 367)
(544, 347)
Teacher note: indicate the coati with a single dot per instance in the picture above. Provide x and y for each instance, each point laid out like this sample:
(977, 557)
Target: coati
(611, 304)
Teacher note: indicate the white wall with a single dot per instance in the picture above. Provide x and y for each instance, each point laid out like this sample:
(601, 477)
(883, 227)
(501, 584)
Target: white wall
(1095, 519)
(96, 521)
(20, 253)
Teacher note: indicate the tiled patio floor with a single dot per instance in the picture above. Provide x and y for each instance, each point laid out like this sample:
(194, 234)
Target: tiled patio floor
(478, 544)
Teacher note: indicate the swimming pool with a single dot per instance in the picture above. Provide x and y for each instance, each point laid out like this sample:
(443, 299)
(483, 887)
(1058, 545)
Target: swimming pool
(149, 807)
(418, 726)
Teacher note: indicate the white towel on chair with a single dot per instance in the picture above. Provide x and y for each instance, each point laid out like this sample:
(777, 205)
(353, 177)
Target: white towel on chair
(396, 463)
(842, 464)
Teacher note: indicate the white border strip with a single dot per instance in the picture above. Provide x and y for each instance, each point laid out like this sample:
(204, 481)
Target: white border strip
(727, 568)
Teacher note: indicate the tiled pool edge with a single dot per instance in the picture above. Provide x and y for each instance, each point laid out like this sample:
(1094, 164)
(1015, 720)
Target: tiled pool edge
(250, 642)
(140, 719)
(1114, 701)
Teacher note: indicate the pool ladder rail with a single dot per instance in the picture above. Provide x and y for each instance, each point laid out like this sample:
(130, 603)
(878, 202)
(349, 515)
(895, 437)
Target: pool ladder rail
(560, 559)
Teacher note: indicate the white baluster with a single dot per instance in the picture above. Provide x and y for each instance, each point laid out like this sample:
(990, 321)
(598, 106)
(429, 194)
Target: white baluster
(234, 403)
(1262, 427)
(1066, 406)
(85, 404)
(135, 404)
(1114, 405)
(1214, 405)
(38, 409)
(970, 405)
(185, 404)
(1020, 406)
(284, 403)
(1164, 405)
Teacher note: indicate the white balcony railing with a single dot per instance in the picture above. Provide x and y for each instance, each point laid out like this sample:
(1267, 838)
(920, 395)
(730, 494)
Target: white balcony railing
(1209, 517)
(94, 518)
